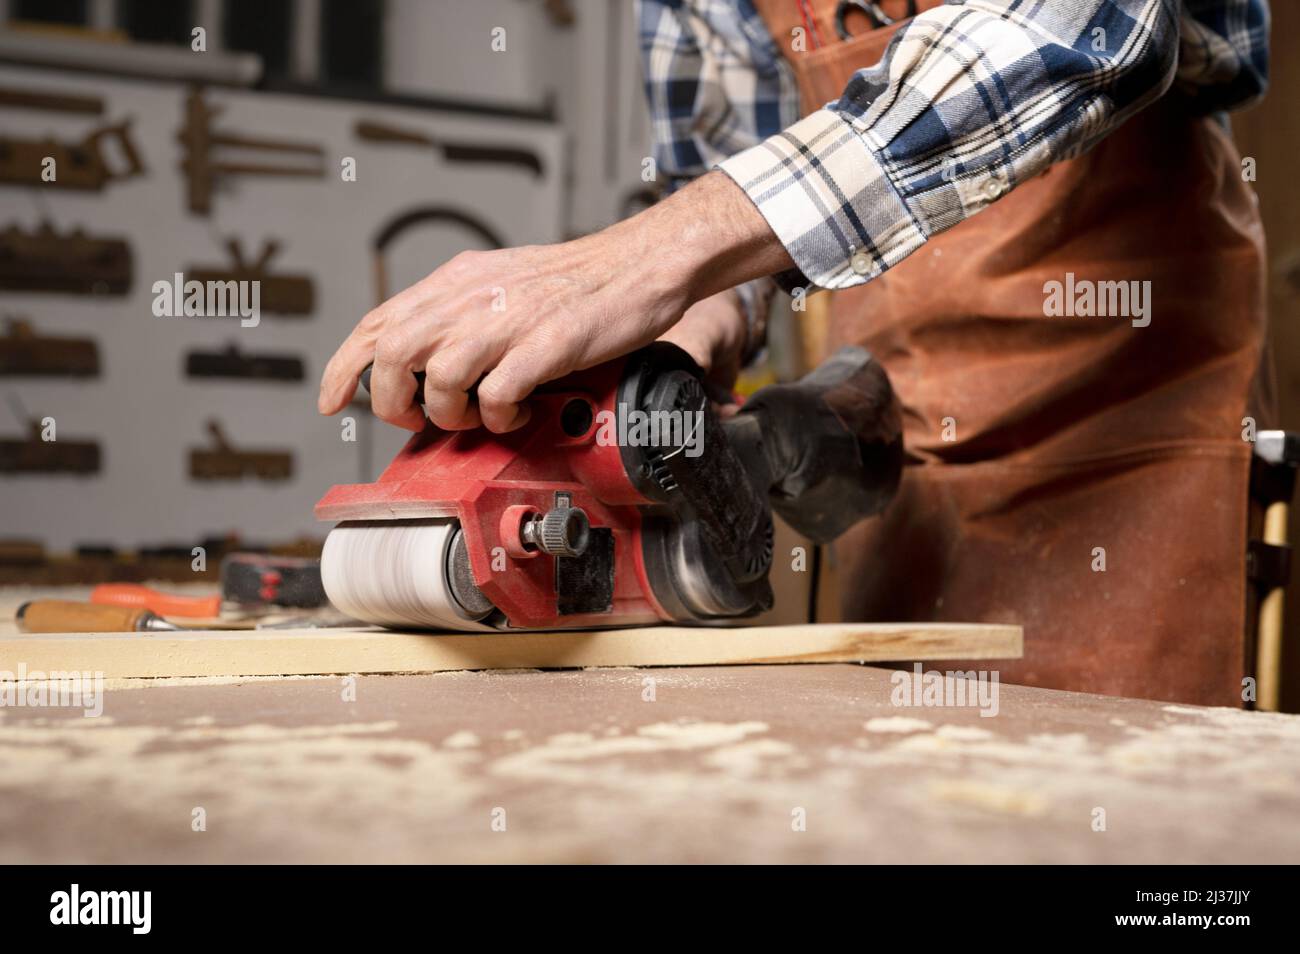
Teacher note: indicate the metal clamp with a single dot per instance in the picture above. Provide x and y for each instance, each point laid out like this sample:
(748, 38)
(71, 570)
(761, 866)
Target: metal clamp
(868, 8)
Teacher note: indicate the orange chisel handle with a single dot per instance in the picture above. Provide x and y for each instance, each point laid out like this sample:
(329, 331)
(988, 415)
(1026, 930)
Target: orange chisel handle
(164, 604)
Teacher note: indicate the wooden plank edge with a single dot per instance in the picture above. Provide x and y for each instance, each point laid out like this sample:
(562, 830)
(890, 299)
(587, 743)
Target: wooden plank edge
(327, 652)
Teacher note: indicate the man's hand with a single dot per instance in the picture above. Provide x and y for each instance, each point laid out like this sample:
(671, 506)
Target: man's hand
(715, 332)
(488, 327)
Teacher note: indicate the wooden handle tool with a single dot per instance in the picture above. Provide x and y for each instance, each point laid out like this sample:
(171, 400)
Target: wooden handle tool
(66, 616)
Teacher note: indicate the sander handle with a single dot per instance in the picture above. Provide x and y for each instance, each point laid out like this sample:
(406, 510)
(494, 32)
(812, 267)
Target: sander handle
(832, 443)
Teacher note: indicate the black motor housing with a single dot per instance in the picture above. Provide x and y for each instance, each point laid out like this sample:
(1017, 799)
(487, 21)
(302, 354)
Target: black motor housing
(823, 452)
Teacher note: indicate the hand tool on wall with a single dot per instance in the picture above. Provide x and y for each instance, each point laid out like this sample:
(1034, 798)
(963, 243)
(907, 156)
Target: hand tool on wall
(24, 352)
(423, 215)
(278, 294)
(44, 260)
(16, 552)
(584, 518)
(561, 12)
(81, 165)
(12, 97)
(225, 462)
(231, 362)
(34, 455)
(204, 170)
(451, 151)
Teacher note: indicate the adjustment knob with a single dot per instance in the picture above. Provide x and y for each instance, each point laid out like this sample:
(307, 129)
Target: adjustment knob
(563, 531)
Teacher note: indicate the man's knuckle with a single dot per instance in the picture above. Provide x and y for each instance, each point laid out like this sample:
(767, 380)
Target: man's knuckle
(393, 347)
(500, 391)
(439, 375)
(464, 261)
(373, 320)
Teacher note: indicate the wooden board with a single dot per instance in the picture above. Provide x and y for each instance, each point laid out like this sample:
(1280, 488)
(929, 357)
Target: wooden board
(327, 651)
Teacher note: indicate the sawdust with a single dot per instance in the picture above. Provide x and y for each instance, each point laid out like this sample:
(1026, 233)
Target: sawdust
(1070, 743)
(1238, 721)
(570, 756)
(991, 797)
(942, 788)
(963, 733)
(900, 724)
(749, 759)
(249, 781)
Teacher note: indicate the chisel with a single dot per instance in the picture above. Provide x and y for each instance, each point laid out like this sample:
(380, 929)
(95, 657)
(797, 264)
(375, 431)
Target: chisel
(66, 616)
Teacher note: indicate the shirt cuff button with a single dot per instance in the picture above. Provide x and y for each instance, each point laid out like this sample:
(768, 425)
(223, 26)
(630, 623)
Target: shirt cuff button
(993, 188)
(861, 262)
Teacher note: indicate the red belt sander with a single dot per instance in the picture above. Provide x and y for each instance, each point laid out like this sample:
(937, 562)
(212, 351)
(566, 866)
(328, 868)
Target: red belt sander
(626, 499)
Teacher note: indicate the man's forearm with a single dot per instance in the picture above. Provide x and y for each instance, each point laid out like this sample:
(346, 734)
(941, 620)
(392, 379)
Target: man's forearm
(707, 237)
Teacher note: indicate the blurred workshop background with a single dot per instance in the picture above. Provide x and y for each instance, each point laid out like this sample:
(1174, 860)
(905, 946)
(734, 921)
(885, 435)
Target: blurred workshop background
(331, 149)
(335, 150)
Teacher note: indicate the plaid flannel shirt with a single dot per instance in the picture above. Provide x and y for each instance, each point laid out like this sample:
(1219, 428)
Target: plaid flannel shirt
(970, 99)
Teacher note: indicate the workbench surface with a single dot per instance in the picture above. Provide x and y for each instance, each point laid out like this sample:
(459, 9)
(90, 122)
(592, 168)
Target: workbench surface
(580, 766)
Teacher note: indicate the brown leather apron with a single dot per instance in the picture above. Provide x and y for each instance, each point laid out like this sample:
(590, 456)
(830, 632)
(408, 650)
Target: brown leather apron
(1044, 446)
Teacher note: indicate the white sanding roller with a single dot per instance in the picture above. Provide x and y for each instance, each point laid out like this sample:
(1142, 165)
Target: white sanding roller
(395, 573)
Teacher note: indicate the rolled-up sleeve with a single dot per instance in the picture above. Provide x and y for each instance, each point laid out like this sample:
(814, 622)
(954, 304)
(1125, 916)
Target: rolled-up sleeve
(969, 101)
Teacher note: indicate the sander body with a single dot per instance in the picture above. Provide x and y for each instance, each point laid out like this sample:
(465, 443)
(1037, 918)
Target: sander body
(625, 500)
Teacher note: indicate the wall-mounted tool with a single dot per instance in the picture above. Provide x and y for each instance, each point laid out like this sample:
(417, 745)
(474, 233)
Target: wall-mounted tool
(24, 352)
(95, 551)
(44, 260)
(233, 363)
(422, 215)
(18, 552)
(204, 170)
(226, 462)
(451, 151)
(561, 13)
(81, 165)
(286, 294)
(12, 97)
(33, 455)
